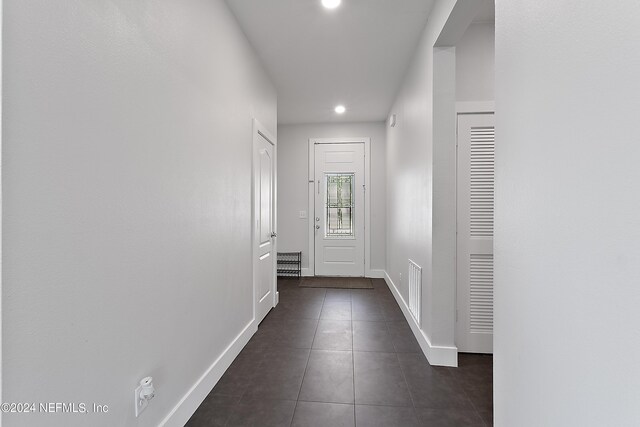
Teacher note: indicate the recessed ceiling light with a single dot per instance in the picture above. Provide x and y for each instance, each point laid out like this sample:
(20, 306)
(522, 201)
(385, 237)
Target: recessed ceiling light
(340, 109)
(331, 4)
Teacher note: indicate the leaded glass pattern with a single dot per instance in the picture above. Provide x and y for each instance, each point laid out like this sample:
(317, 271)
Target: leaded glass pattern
(340, 204)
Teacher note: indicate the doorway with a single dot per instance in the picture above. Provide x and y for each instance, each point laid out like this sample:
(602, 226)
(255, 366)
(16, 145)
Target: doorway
(475, 217)
(264, 234)
(340, 206)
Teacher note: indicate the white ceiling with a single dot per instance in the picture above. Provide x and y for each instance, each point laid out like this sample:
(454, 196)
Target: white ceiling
(354, 55)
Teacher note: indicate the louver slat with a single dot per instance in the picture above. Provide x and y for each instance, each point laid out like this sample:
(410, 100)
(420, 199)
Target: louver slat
(481, 294)
(482, 181)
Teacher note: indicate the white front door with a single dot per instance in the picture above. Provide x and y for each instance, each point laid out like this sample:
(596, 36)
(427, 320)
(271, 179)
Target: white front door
(264, 200)
(476, 142)
(339, 209)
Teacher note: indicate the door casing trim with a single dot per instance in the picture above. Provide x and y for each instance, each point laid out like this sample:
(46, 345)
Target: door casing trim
(367, 198)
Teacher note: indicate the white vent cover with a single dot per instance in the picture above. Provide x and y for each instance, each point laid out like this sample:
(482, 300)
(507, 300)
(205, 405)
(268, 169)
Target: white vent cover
(415, 291)
(482, 180)
(481, 293)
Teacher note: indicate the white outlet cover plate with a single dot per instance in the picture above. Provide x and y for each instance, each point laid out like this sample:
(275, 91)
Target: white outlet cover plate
(139, 404)
(303, 215)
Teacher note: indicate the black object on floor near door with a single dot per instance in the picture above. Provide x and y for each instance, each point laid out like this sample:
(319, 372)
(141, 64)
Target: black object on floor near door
(289, 264)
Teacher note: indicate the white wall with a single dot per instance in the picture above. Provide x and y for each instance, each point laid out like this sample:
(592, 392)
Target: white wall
(126, 198)
(410, 184)
(475, 65)
(421, 178)
(293, 186)
(567, 238)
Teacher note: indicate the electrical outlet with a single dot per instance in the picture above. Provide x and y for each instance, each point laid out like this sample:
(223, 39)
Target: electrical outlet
(303, 215)
(140, 404)
(143, 394)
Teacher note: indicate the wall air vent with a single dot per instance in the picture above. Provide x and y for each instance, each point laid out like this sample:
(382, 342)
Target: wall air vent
(415, 291)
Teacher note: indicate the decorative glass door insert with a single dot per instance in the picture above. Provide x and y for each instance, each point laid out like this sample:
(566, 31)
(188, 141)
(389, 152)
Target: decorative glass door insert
(340, 204)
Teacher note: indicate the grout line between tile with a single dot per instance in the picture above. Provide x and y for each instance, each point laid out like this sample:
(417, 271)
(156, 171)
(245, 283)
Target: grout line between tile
(404, 376)
(307, 365)
(322, 401)
(353, 365)
(475, 408)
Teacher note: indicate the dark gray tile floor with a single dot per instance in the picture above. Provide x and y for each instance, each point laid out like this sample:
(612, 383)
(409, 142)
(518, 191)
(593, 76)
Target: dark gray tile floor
(336, 357)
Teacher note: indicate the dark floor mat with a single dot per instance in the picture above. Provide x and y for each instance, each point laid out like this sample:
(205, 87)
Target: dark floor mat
(336, 282)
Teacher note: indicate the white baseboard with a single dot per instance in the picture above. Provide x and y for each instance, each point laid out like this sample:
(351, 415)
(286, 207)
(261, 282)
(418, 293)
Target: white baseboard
(436, 355)
(377, 274)
(306, 272)
(181, 413)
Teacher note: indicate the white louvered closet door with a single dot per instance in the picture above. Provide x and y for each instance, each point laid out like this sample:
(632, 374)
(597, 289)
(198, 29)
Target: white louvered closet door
(476, 143)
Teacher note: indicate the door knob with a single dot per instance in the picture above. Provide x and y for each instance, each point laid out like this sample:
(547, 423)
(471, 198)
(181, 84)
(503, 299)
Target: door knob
(317, 219)
(317, 227)
(274, 234)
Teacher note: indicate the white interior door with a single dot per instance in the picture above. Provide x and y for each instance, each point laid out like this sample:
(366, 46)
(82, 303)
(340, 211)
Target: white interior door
(339, 209)
(264, 252)
(475, 204)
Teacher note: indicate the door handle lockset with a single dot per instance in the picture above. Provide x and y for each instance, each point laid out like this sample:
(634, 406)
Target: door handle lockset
(274, 234)
(317, 227)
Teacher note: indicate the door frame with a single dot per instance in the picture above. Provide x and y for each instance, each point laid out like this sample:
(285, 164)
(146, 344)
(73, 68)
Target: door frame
(463, 108)
(310, 271)
(260, 131)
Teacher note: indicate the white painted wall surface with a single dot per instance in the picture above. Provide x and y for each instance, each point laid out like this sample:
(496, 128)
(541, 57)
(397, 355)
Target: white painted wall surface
(293, 184)
(475, 65)
(567, 237)
(410, 185)
(127, 200)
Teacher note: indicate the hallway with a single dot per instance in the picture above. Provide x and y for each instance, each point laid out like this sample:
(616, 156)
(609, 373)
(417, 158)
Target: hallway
(322, 350)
